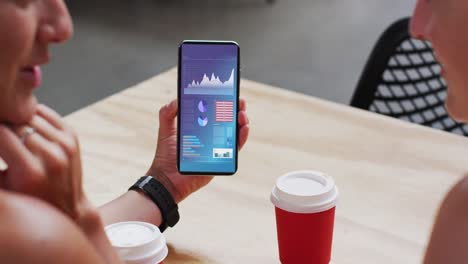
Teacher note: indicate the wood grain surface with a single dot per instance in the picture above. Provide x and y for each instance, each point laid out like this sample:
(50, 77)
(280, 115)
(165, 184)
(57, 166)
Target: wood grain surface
(391, 175)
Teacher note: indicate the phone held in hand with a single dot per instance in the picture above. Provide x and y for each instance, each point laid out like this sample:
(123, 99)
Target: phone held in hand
(208, 97)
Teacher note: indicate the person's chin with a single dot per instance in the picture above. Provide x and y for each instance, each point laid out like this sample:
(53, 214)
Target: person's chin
(456, 109)
(24, 112)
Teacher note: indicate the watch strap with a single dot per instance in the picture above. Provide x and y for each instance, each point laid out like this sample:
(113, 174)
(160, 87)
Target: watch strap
(161, 197)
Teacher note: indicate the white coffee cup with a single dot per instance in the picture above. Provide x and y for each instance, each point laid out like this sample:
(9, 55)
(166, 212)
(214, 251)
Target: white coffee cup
(137, 242)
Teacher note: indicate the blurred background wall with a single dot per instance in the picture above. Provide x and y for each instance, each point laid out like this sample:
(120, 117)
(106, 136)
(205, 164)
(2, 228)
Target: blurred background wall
(316, 47)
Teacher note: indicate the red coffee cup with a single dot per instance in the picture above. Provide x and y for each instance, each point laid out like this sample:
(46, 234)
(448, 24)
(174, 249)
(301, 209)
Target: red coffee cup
(305, 214)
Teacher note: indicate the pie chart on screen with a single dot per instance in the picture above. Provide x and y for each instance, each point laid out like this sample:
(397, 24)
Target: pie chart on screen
(202, 121)
(202, 106)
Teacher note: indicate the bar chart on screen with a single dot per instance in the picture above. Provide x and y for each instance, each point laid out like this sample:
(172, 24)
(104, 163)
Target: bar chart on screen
(222, 153)
(224, 111)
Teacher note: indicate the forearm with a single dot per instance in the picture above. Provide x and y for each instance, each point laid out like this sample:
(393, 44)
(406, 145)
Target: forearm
(131, 206)
(93, 227)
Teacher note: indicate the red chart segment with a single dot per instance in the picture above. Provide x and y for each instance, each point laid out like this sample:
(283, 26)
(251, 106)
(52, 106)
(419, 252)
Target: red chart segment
(224, 111)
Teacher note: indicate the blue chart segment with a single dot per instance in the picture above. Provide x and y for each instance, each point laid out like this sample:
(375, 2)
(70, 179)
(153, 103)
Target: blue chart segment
(202, 106)
(211, 86)
(202, 121)
(191, 146)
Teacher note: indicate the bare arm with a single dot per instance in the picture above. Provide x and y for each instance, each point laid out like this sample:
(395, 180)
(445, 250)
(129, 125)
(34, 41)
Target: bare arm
(449, 239)
(131, 206)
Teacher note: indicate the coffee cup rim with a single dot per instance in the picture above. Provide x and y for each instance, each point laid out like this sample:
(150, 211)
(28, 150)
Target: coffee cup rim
(296, 202)
(152, 250)
(158, 235)
(157, 255)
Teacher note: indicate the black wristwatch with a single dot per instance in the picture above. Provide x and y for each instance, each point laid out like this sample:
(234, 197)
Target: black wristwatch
(161, 197)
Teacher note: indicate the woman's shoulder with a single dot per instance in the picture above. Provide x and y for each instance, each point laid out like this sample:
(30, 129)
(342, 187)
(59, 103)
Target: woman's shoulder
(31, 231)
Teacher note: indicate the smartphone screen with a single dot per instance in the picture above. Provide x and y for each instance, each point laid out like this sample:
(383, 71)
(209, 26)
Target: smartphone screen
(208, 95)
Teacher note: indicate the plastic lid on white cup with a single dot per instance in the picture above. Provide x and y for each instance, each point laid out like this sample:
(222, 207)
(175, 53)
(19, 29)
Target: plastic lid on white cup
(304, 192)
(137, 242)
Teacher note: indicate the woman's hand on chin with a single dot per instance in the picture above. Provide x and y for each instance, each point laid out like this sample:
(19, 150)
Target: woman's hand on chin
(43, 159)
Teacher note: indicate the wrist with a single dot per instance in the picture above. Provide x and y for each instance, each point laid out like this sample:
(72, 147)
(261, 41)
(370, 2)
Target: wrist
(160, 196)
(123, 209)
(164, 179)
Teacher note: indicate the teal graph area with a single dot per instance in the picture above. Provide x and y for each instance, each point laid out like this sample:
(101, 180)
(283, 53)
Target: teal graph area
(191, 146)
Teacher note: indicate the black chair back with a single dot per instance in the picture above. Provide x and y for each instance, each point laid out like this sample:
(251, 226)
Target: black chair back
(402, 79)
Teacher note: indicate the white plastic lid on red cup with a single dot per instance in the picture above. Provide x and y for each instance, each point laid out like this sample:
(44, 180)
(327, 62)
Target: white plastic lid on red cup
(137, 242)
(304, 192)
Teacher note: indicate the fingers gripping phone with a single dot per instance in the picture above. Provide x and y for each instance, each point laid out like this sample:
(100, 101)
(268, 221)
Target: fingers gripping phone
(208, 97)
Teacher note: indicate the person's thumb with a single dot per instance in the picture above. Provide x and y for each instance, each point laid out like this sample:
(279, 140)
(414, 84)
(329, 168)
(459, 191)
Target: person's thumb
(167, 115)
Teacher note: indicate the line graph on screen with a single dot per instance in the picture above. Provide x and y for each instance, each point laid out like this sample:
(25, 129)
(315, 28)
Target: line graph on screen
(212, 85)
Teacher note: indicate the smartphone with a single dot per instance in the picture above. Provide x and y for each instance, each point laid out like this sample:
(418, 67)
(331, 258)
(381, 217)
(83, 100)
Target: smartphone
(208, 96)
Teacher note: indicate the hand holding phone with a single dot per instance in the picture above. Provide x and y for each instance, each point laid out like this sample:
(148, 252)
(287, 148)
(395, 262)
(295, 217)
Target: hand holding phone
(208, 99)
(164, 166)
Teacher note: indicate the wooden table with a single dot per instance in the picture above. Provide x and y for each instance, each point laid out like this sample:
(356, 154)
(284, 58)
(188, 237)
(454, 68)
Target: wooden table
(392, 175)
